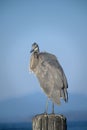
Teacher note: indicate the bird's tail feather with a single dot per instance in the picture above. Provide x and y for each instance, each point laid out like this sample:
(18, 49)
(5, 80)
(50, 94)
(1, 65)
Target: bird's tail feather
(64, 94)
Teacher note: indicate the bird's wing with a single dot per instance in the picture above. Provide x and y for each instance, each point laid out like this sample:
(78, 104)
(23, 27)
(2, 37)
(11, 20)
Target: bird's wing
(50, 75)
(55, 68)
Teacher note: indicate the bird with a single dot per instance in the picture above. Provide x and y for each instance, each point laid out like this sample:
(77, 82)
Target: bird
(50, 75)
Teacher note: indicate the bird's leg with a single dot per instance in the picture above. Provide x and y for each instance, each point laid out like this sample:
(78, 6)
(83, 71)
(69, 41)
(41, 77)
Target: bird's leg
(46, 108)
(52, 108)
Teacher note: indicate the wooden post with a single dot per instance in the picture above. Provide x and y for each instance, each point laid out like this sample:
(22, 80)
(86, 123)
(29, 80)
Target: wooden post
(49, 122)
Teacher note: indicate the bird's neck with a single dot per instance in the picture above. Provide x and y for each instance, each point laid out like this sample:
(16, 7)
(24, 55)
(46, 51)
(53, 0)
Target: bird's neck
(36, 54)
(34, 61)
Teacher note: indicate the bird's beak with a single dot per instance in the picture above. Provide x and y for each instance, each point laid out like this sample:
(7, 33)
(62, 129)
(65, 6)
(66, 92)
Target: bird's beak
(31, 50)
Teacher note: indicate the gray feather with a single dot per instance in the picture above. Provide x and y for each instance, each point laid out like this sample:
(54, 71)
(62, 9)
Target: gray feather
(50, 74)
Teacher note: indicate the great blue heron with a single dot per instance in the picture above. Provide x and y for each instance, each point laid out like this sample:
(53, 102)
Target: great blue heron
(50, 74)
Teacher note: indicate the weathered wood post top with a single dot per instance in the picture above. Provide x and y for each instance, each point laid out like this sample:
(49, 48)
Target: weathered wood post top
(49, 122)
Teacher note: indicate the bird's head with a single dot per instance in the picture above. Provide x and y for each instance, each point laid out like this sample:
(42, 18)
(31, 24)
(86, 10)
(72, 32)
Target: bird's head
(35, 48)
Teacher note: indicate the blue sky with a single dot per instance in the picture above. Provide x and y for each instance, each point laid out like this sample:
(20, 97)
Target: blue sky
(59, 27)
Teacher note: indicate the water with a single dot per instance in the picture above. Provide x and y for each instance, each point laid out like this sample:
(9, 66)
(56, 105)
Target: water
(28, 126)
(82, 125)
(15, 126)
